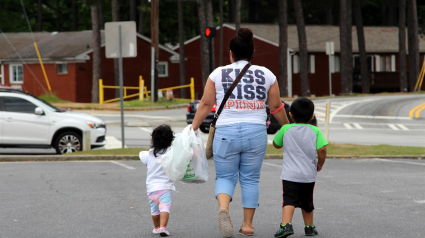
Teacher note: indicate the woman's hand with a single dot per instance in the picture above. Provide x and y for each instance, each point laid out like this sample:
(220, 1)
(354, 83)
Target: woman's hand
(275, 103)
(207, 102)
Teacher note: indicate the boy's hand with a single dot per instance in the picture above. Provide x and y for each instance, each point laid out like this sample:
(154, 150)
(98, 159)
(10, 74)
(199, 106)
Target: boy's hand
(319, 167)
(276, 146)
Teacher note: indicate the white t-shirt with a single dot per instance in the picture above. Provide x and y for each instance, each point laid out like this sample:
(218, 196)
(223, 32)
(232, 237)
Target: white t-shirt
(247, 101)
(156, 177)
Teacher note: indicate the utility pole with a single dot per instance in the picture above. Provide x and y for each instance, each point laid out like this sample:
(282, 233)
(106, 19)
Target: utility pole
(154, 44)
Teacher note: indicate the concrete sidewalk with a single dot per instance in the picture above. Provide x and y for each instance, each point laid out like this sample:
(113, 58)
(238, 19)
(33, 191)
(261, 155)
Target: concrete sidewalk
(24, 158)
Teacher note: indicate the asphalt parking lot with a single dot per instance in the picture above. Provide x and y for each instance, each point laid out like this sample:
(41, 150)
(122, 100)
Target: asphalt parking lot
(353, 198)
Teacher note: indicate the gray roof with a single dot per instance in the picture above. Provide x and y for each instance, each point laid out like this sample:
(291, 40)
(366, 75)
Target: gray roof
(378, 39)
(62, 46)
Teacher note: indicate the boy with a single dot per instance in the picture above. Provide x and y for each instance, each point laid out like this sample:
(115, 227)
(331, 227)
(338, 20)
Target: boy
(300, 141)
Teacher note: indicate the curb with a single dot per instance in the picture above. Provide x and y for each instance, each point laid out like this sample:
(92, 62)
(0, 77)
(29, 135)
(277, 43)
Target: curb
(25, 158)
(129, 109)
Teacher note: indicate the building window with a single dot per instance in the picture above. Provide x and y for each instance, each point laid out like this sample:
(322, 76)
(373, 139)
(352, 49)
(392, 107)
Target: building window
(385, 63)
(296, 64)
(336, 63)
(312, 64)
(16, 73)
(162, 69)
(62, 68)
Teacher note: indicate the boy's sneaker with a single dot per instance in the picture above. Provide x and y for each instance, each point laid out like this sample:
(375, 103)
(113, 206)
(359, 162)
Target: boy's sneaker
(310, 230)
(156, 230)
(284, 231)
(163, 231)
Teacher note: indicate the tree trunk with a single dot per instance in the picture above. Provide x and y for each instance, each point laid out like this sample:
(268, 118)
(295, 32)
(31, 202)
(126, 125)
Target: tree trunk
(74, 15)
(302, 41)
(283, 48)
(101, 19)
(238, 15)
(220, 60)
(132, 10)
(97, 64)
(346, 61)
(141, 16)
(413, 43)
(40, 15)
(116, 17)
(210, 23)
(204, 42)
(362, 47)
(402, 45)
(181, 49)
(350, 45)
(154, 43)
(58, 17)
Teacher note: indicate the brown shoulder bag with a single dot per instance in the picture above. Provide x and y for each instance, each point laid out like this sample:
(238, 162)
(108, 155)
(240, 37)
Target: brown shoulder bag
(209, 149)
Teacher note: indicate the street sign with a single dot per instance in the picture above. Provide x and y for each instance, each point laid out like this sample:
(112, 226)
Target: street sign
(330, 48)
(330, 51)
(210, 32)
(128, 38)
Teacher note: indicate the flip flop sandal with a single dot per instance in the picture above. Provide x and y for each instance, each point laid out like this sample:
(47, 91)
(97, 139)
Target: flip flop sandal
(246, 233)
(224, 224)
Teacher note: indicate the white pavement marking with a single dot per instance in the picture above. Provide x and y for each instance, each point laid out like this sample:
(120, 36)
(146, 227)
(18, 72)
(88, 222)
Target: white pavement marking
(420, 201)
(392, 126)
(347, 125)
(403, 127)
(322, 108)
(400, 162)
(334, 112)
(275, 165)
(113, 143)
(145, 129)
(357, 125)
(270, 142)
(122, 165)
(374, 117)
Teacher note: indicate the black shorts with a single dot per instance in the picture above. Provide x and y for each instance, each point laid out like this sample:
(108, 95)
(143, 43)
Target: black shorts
(298, 195)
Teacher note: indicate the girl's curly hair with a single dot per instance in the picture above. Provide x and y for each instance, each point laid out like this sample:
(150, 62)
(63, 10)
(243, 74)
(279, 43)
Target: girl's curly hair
(162, 137)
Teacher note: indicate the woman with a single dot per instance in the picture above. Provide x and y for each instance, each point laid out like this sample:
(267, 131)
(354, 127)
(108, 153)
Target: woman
(240, 140)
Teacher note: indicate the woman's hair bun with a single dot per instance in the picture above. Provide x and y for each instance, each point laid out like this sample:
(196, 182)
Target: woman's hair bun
(245, 34)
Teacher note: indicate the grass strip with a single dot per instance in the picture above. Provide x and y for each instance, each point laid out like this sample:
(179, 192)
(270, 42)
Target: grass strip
(162, 102)
(332, 149)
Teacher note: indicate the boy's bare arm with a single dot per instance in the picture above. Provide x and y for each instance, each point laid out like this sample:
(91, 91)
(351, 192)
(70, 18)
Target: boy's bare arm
(276, 146)
(321, 155)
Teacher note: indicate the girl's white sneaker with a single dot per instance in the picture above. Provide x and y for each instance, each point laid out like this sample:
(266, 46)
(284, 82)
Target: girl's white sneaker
(163, 231)
(156, 230)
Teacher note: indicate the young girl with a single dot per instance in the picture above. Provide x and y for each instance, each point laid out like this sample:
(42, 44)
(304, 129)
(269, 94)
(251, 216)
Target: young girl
(159, 186)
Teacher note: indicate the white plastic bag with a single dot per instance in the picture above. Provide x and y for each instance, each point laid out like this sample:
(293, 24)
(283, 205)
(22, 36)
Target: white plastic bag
(186, 161)
(197, 169)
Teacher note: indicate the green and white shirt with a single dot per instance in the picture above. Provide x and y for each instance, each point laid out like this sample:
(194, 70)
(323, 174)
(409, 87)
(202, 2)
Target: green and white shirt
(300, 142)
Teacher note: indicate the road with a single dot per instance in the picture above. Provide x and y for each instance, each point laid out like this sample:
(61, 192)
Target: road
(353, 198)
(354, 120)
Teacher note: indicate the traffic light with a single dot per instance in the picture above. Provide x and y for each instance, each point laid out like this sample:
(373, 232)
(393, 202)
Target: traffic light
(210, 32)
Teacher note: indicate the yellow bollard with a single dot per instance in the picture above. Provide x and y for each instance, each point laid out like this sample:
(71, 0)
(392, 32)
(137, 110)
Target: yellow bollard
(100, 91)
(141, 83)
(192, 89)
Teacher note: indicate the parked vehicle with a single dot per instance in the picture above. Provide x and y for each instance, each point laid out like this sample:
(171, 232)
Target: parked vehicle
(205, 126)
(30, 122)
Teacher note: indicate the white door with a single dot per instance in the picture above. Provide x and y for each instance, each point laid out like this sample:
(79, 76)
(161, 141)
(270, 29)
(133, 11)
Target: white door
(21, 126)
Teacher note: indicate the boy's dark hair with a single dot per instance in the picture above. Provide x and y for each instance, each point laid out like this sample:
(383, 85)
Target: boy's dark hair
(302, 109)
(162, 137)
(242, 45)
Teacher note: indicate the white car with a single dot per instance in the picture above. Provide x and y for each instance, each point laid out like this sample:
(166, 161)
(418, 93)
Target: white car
(29, 122)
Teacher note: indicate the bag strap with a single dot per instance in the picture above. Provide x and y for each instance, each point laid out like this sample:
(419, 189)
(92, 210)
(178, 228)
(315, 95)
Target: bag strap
(229, 91)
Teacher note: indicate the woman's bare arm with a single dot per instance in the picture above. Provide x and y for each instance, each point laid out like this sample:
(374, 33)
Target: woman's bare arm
(274, 104)
(207, 102)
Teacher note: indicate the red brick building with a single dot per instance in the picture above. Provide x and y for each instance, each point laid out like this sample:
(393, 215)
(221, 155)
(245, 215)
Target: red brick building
(67, 58)
(381, 47)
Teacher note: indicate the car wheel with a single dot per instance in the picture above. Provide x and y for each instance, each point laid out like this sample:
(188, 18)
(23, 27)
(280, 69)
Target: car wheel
(271, 131)
(68, 142)
(205, 129)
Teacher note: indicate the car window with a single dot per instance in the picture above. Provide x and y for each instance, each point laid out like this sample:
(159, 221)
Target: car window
(13, 104)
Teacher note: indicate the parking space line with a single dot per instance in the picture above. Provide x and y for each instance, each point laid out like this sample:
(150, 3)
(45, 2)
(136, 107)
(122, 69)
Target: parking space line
(144, 129)
(122, 165)
(403, 127)
(275, 165)
(392, 126)
(347, 126)
(400, 162)
(357, 125)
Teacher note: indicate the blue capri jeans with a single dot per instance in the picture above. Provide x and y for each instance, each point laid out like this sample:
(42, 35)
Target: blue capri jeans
(239, 151)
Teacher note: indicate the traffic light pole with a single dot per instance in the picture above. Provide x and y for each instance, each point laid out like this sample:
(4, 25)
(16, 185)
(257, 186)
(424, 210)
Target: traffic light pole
(210, 53)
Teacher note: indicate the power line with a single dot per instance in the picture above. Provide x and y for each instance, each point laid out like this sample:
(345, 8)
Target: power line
(26, 17)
